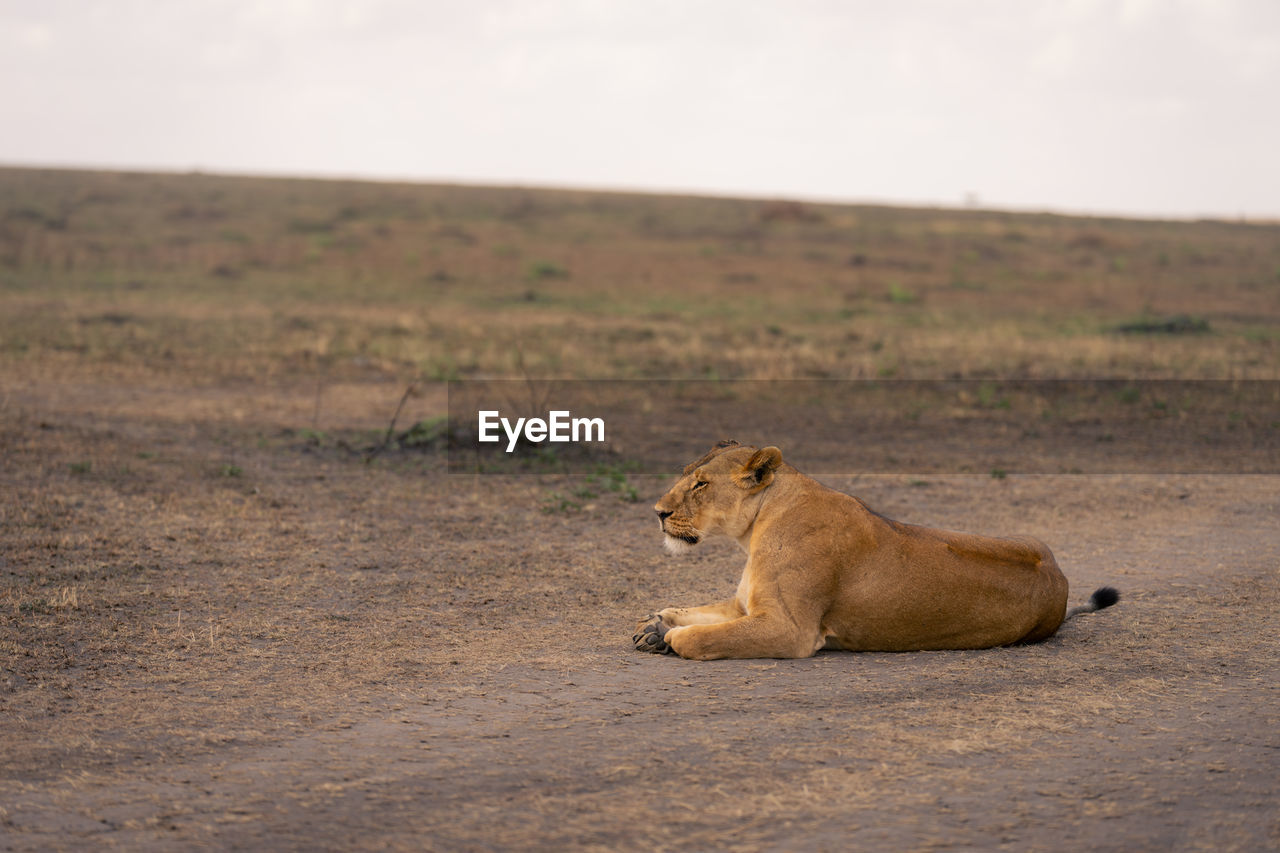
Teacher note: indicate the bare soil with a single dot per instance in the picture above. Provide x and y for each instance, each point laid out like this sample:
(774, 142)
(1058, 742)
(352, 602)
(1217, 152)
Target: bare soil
(217, 633)
(224, 623)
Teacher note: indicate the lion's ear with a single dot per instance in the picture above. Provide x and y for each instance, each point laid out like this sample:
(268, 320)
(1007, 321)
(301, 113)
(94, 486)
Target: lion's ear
(758, 472)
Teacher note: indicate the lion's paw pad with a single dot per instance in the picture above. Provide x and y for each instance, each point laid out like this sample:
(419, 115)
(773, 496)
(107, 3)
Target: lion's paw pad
(651, 637)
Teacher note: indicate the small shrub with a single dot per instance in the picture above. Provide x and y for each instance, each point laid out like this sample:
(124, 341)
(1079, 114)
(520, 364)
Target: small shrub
(427, 432)
(544, 270)
(1179, 324)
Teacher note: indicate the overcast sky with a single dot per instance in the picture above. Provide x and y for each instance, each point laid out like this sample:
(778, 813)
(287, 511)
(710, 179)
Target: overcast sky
(1164, 107)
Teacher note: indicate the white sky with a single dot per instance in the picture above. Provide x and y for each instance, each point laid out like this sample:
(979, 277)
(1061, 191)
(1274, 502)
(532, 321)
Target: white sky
(1164, 107)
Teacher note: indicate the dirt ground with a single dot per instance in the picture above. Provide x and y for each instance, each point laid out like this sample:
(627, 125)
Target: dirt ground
(216, 633)
(225, 623)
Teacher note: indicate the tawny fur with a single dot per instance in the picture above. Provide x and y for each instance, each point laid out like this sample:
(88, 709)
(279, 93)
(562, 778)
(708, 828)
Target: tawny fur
(824, 571)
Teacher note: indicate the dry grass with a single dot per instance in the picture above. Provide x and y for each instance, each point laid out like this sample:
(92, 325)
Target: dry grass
(246, 278)
(219, 626)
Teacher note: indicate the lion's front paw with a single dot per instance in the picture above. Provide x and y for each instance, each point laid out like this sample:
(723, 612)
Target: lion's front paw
(650, 636)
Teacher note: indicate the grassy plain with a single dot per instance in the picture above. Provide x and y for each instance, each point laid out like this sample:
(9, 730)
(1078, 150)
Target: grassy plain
(247, 278)
(222, 624)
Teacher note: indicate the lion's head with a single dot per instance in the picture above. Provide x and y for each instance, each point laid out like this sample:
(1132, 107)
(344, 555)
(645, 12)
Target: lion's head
(716, 494)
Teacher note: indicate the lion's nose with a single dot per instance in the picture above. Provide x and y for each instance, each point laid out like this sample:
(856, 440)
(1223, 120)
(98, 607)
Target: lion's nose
(663, 515)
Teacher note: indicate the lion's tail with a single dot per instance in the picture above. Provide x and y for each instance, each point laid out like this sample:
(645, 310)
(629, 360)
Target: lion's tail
(1104, 596)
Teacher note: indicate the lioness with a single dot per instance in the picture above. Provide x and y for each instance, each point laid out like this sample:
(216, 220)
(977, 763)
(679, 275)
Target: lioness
(825, 572)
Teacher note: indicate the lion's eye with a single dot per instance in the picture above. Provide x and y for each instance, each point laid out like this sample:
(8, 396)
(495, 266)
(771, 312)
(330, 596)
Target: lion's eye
(699, 485)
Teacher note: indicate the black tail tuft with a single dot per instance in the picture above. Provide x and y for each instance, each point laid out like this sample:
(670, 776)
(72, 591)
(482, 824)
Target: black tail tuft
(1104, 597)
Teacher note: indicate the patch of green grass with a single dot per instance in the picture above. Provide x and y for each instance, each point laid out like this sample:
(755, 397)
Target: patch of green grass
(441, 369)
(426, 433)
(558, 504)
(900, 295)
(315, 437)
(990, 398)
(613, 478)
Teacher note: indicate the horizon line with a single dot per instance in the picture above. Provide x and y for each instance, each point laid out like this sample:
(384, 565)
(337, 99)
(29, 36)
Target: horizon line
(978, 205)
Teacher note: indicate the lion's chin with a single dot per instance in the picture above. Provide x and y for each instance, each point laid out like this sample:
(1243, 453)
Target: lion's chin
(676, 545)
